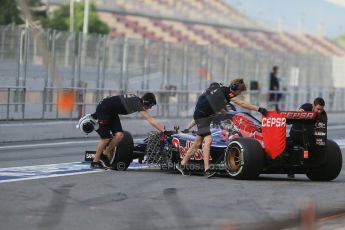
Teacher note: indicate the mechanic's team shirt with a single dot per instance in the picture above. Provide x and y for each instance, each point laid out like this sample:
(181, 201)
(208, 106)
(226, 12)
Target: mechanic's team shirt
(122, 104)
(211, 102)
(302, 132)
(310, 132)
(320, 131)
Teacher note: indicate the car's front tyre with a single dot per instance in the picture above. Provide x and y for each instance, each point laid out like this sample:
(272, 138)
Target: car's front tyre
(124, 153)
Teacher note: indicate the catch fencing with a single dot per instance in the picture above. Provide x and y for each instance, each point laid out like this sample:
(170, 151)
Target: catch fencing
(94, 66)
(18, 103)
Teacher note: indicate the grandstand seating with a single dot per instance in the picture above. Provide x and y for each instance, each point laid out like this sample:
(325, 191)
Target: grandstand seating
(241, 31)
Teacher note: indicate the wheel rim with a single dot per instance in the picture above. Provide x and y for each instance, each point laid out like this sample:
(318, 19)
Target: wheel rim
(234, 160)
(112, 155)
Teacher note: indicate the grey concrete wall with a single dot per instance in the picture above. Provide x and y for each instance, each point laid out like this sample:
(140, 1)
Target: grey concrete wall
(49, 130)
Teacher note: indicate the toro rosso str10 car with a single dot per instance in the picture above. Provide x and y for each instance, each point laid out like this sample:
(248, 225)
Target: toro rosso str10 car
(243, 147)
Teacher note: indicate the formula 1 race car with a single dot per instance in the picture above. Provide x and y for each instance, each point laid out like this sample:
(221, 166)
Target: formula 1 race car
(243, 148)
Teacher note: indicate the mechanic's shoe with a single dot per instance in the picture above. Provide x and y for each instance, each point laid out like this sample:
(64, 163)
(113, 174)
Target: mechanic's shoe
(183, 170)
(98, 165)
(209, 173)
(291, 176)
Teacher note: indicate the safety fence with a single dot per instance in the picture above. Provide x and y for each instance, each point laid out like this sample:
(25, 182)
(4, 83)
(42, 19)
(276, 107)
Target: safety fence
(102, 61)
(94, 66)
(18, 103)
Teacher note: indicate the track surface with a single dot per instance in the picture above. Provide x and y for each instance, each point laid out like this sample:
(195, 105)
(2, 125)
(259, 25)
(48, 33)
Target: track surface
(149, 199)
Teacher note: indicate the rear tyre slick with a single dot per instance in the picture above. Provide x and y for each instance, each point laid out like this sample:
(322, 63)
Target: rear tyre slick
(331, 167)
(244, 158)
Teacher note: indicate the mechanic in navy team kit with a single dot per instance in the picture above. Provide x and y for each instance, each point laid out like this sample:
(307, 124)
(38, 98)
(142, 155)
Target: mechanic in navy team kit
(303, 133)
(300, 132)
(107, 113)
(209, 103)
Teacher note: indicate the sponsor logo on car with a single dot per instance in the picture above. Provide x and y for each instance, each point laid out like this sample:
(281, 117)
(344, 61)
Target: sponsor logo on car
(273, 121)
(183, 149)
(298, 115)
(90, 155)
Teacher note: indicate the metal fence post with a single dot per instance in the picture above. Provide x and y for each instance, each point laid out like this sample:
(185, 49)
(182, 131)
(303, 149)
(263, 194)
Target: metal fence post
(3, 41)
(184, 67)
(145, 63)
(124, 63)
(24, 103)
(148, 65)
(44, 101)
(80, 53)
(225, 66)
(240, 60)
(100, 65)
(8, 103)
(74, 57)
(209, 65)
(26, 50)
(67, 48)
(98, 58)
(19, 61)
(52, 53)
(168, 63)
(104, 63)
(165, 62)
(184, 81)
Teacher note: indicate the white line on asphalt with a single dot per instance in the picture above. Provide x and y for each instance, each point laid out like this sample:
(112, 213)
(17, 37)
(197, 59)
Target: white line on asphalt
(341, 142)
(47, 144)
(34, 172)
(50, 144)
(50, 176)
(37, 123)
(43, 171)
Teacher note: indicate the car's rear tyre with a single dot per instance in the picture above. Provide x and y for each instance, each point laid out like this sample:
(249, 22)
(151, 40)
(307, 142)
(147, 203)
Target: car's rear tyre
(244, 158)
(124, 153)
(331, 167)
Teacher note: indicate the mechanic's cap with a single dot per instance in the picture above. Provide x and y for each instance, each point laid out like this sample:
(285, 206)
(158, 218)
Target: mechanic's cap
(307, 107)
(149, 99)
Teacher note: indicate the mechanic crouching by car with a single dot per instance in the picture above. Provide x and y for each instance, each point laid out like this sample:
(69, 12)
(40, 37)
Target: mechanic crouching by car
(303, 133)
(209, 103)
(107, 113)
(299, 132)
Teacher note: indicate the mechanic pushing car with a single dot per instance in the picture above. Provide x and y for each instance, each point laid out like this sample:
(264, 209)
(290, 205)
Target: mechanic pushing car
(300, 132)
(209, 103)
(303, 134)
(107, 113)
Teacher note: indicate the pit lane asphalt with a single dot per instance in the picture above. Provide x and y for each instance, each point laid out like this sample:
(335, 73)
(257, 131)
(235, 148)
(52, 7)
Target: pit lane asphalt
(150, 199)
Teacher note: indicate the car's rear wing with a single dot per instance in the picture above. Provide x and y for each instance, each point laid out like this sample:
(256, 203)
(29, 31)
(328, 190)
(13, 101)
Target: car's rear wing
(274, 129)
(297, 116)
(318, 131)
